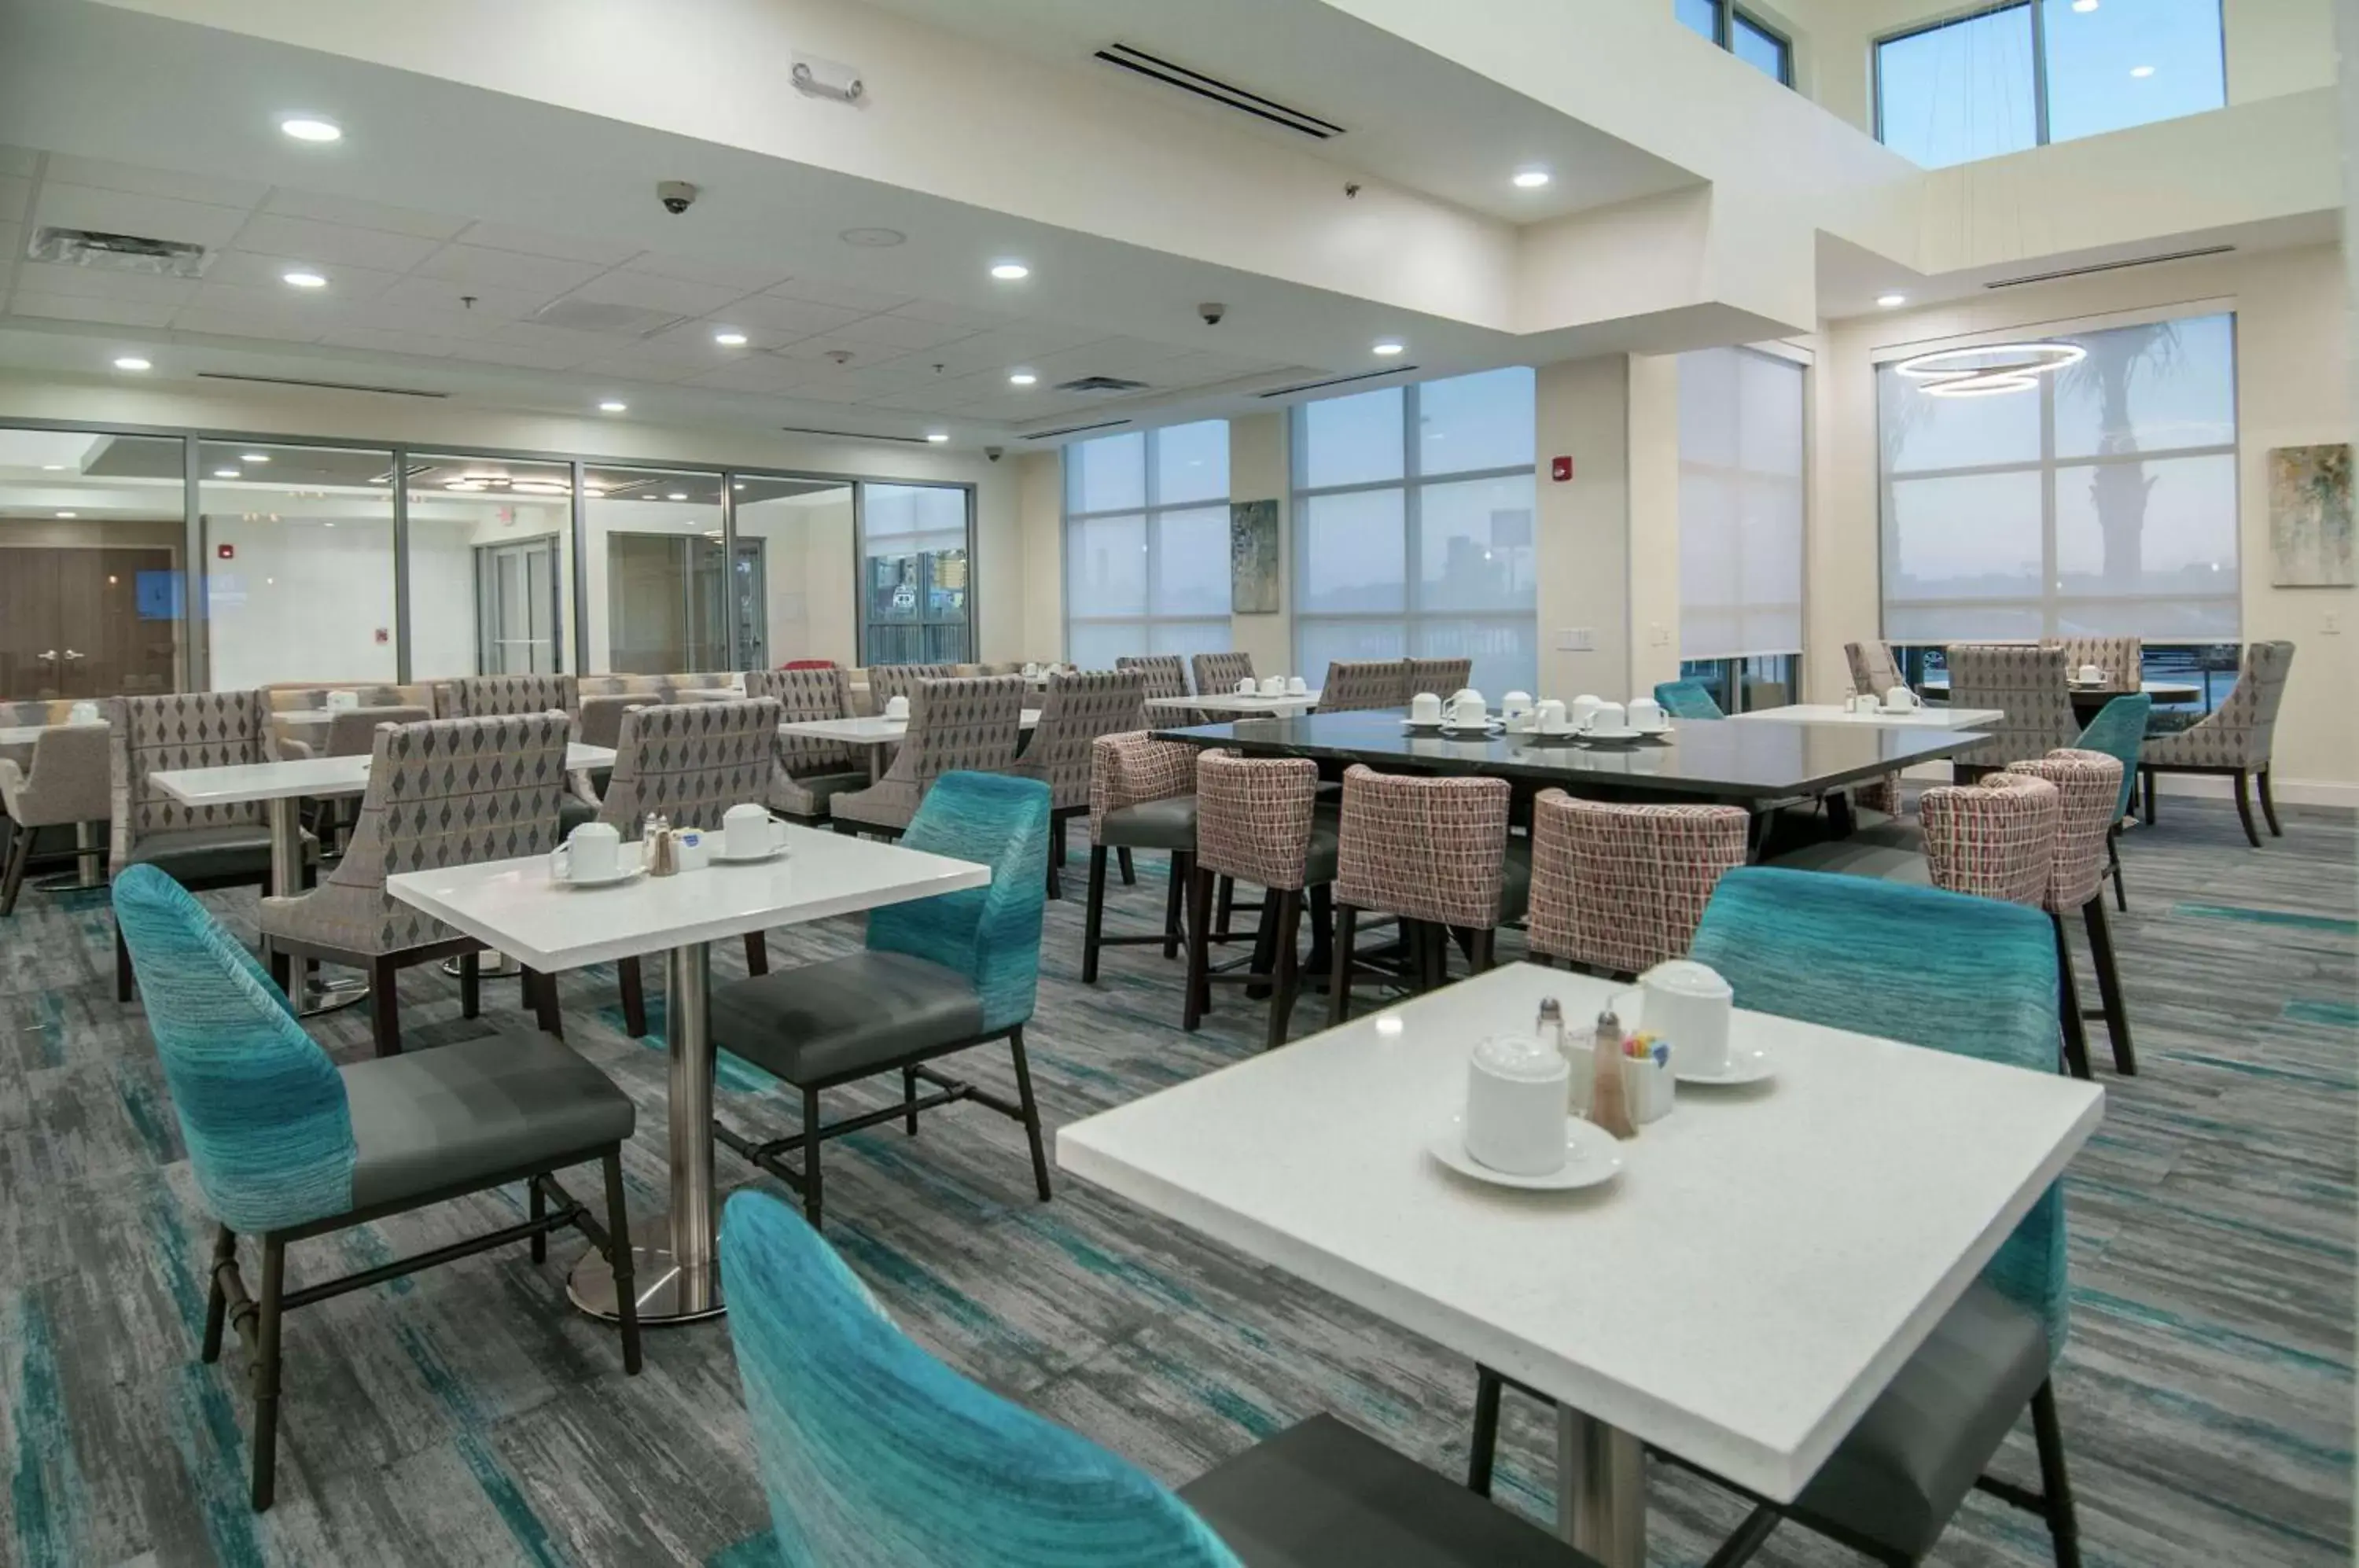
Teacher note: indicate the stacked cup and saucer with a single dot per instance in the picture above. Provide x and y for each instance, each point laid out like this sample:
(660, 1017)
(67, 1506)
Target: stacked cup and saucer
(1517, 1129)
(749, 835)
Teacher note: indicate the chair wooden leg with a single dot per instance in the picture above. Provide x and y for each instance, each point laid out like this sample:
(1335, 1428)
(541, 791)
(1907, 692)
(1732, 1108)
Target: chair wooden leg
(1200, 921)
(909, 1098)
(266, 1371)
(618, 1261)
(540, 997)
(1221, 926)
(536, 1209)
(122, 965)
(216, 1298)
(2109, 985)
(2244, 806)
(471, 984)
(1093, 911)
(635, 996)
(2055, 1481)
(811, 1157)
(2113, 865)
(1339, 976)
(1129, 871)
(758, 953)
(1055, 870)
(282, 972)
(20, 855)
(1031, 1113)
(1288, 920)
(1484, 954)
(1183, 866)
(385, 1008)
(2268, 802)
(1739, 1549)
(2076, 1034)
(1487, 1390)
(2146, 783)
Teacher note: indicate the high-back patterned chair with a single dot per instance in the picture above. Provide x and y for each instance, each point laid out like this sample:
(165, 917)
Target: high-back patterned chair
(1074, 711)
(887, 682)
(1159, 674)
(1357, 685)
(2119, 732)
(440, 792)
(971, 724)
(1432, 852)
(2089, 789)
(1440, 675)
(1621, 887)
(2026, 686)
(1687, 699)
(63, 782)
(1873, 671)
(2235, 738)
(499, 696)
(688, 762)
(201, 846)
(1219, 672)
(1996, 839)
(810, 772)
(1142, 796)
(2123, 659)
(1256, 822)
(285, 1145)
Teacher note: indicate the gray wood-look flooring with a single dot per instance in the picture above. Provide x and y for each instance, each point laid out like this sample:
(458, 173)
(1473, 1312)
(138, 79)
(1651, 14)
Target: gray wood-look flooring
(469, 1416)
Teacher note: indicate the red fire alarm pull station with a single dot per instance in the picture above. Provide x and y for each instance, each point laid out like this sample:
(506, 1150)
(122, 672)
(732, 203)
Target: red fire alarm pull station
(383, 636)
(1559, 468)
(225, 552)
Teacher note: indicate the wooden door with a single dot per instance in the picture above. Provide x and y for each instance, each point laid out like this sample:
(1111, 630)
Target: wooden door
(29, 623)
(110, 647)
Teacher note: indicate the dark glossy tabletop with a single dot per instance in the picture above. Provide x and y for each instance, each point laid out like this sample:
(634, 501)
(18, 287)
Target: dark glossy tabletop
(1709, 759)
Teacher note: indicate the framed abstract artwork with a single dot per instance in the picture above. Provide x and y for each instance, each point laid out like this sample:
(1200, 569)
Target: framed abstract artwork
(1252, 557)
(2310, 517)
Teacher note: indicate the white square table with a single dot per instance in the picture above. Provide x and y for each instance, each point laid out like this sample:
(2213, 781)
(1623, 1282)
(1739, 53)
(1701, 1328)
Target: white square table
(26, 734)
(1764, 1263)
(1938, 717)
(1236, 705)
(874, 733)
(513, 906)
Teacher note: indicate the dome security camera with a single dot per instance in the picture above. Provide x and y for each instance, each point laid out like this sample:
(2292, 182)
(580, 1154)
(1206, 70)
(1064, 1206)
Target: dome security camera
(677, 196)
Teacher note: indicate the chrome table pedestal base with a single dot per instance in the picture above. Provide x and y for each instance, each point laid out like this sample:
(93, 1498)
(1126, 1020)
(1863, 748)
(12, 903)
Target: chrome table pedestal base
(312, 995)
(667, 1293)
(487, 965)
(1601, 1489)
(89, 873)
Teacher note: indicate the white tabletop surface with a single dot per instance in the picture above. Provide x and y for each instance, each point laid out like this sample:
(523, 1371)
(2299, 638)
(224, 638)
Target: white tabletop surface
(2160, 690)
(312, 776)
(1764, 1263)
(870, 730)
(26, 734)
(1938, 717)
(1288, 705)
(512, 905)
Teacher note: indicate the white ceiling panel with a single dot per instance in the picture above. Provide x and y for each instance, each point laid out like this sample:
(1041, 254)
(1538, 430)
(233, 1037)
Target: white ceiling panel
(450, 299)
(631, 364)
(693, 341)
(102, 283)
(790, 317)
(819, 291)
(544, 276)
(121, 213)
(282, 303)
(15, 194)
(827, 344)
(270, 233)
(346, 284)
(79, 308)
(278, 328)
(1204, 369)
(926, 399)
(676, 295)
(522, 356)
(687, 269)
(953, 315)
(762, 373)
(539, 242)
(363, 214)
(18, 160)
(826, 391)
(66, 169)
(373, 340)
(901, 331)
(555, 339)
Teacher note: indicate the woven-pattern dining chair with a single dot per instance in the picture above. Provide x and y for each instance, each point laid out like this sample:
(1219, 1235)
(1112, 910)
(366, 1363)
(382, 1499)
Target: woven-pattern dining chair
(1621, 887)
(2026, 686)
(1873, 671)
(887, 682)
(810, 772)
(1159, 674)
(2235, 738)
(1361, 685)
(1142, 797)
(350, 731)
(1074, 711)
(63, 783)
(2089, 789)
(285, 1145)
(1443, 676)
(2123, 659)
(1431, 853)
(502, 696)
(1980, 982)
(1996, 839)
(1256, 822)
(1687, 699)
(2119, 732)
(1219, 672)
(971, 723)
(442, 792)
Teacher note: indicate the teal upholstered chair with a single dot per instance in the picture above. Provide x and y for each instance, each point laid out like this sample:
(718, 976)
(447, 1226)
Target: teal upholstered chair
(1688, 700)
(2119, 730)
(285, 1145)
(872, 1451)
(939, 975)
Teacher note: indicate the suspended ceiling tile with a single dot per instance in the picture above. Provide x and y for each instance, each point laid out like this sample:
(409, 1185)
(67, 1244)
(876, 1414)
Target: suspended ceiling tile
(541, 243)
(819, 291)
(678, 297)
(16, 195)
(375, 340)
(901, 331)
(721, 274)
(101, 283)
(121, 213)
(79, 308)
(348, 285)
(953, 315)
(763, 373)
(544, 276)
(630, 367)
(827, 344)
(270, 233)
(344, 210)
(520, 356)
(693, 341)
(248, 324)
(67, 170)
(790, 317)
(18, 160)
(555, 339)
(450, 296)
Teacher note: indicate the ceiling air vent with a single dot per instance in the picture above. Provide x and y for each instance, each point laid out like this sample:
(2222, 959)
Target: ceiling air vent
(852, 435)
(599, 316)
(1226, 95)
(1335, 381)
(1075, 429)
(1102, 385)
(2109, 266)
(118, 253)
(318, 385)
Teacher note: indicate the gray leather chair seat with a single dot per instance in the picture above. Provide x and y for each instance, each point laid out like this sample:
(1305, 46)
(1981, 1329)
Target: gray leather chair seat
(1152, 825)
(430, 1119)
(1515, 891)
(843, 1019)
(1324, 1494)
(572, 811)
(1900, 1475)
(1889, 853)
(826, 787)
(1326, 844)
(196, 854)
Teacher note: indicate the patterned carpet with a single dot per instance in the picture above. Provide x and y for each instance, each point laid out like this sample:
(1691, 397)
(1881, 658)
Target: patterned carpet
(470, 1417)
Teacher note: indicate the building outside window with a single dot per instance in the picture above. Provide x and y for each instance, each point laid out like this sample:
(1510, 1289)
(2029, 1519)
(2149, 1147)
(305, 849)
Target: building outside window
(1741, 507)
(1746, 37)
(1413, 527)
(1146, 544)
(2022, 75)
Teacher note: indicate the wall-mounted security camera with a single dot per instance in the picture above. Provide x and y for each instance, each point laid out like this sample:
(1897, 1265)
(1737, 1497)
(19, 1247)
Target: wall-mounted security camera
(1212, 312)
(819, 78)
(677, 196)
(994, 452)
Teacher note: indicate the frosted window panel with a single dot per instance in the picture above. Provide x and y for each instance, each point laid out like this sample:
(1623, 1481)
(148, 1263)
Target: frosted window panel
(1351, 554)
(1770, 396)
(2156, 620)
(1192, 562)
(1192, 462)
(1973, 536)
(2174, 44)
(2160, 528)
(1325, 642)
(1917, 430)
(1998, 621)
(1096, 646)
(1506, 649)
(900, 519)
(1189, 637)
(2163, 386)
(1472, 422)
(1741, 504)
(1476, 540)
(1106, 474)
(1109, 566)
(1953, 94)
(1352, 440)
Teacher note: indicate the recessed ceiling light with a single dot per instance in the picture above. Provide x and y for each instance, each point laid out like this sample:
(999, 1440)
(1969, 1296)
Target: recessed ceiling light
(132, 362)
(2141, 72)
(729, 338)
(312, 128)
(1530, 179)
(69, 514)
(53, 468)
(254, 457)
(1009, 271)
(1889, 300)
(1386, 347)
(228, 474)
(305, 280)
(676, 495)
(614, 406)
(937, 437)
(1021, 378)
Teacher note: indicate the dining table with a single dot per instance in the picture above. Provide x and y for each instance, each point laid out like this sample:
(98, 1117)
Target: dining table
(1932, 715)
(873, 733)
(517, 907)
(2089, 698)
(1764, 1263)
(1238, 705)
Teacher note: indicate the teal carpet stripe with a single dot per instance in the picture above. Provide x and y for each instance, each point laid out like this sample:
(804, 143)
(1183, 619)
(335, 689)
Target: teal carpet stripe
(2332, 1014)
(2269, 918)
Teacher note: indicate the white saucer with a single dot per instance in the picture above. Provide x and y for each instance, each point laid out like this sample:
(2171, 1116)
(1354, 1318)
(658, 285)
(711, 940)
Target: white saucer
(1485, 733)
(1890, 710)
(1622, 734)
(1745, 1066)
(628, 874)
(720, 858)
(1592, 1156)
(1426, 726)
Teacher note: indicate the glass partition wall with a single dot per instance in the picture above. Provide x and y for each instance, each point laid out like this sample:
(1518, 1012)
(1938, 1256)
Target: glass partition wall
(137, 561)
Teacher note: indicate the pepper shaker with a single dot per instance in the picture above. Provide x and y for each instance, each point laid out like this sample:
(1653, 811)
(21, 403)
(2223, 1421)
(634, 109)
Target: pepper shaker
(1609, 1100)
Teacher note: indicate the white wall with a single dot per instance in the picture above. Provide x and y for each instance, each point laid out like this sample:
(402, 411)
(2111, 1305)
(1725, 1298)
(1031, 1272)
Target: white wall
(304, 600)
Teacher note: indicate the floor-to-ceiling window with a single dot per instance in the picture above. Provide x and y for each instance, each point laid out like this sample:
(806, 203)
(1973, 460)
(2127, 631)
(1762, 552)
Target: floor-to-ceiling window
(1413, 526)
(491, 566)
(1741, 503)
(296, 556)
(93, 545)
(916, 602)
(1147, 543)
(658, 597)
(794, 587)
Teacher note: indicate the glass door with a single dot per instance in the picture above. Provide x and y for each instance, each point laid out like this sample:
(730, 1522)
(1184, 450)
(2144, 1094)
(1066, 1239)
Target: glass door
(516, 601)
(491, 565)
(916, 607)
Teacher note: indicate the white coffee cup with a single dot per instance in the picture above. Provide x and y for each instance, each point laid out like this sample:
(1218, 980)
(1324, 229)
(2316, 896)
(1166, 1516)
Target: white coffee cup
(1296, 686)
(1273, 685)
(1515, 1091)
(343, 701)
(1608, 716)
(1032, 672)
(1467, 711)
(1860, 703)
(1514, 705)
(2091, 675)
(1425, 708)
(1902, 697)
(83, 713)
(1646, 713)
(1585, 708)
(897, 707)
(1245, 688)
(748, 833)
(591, 852)
(1690, 1006)
(1552, 718)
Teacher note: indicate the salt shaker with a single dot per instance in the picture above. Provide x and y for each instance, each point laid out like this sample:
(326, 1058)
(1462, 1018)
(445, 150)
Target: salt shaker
(662, 852)
(1551, 1032)
(1609, 1102)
